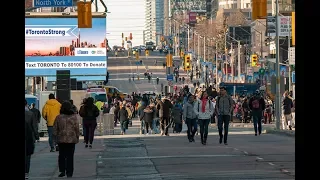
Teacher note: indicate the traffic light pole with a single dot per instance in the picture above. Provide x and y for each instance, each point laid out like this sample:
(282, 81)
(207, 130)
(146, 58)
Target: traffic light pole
(278, 92)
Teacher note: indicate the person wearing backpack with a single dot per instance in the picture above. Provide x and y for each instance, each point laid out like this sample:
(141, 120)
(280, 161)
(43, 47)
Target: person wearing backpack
(204, 110)
(257, 106)
(224, 111)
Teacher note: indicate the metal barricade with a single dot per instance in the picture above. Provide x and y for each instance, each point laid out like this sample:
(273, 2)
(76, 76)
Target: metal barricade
(106, 124)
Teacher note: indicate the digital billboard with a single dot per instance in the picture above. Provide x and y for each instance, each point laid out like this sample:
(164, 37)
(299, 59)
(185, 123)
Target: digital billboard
(56, 43)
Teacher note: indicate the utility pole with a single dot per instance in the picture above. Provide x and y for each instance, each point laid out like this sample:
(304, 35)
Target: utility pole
(239, 61)
(231, 62)
(278, 91)
(198, 46)
(204, 48)
(188, 38)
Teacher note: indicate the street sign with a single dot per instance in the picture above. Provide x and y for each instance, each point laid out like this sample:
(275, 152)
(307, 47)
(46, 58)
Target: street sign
(293, 77)
(261, 71)
(147, 53)
(292, 55)
(170, 83)
(169, 77)
(52, 3)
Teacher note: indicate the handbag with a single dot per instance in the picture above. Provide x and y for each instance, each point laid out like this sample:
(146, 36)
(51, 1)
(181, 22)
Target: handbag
(184, 127)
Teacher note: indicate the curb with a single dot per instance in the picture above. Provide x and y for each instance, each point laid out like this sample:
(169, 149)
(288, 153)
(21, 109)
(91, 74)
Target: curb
(281, 132)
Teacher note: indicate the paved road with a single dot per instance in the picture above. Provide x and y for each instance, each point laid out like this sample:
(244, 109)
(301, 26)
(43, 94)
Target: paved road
(133, 156)
(121, 68)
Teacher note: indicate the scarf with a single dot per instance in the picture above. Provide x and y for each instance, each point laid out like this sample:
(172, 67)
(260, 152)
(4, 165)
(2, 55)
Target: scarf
(204, 102)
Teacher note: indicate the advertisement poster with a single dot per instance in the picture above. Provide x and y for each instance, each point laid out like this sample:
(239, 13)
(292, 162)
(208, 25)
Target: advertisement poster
(56, 43)
(219, 74)
(284, 26)
(283, 70)
(255, 76)
(272, 73)
(243, 78)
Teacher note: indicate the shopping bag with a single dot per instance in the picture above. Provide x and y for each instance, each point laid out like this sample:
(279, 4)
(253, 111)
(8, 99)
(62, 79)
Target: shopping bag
(184, 127)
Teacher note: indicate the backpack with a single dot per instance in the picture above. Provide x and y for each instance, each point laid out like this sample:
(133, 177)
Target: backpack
(255, 104)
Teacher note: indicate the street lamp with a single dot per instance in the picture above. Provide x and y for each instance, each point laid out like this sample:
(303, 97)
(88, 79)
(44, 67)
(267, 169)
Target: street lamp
(239, 64)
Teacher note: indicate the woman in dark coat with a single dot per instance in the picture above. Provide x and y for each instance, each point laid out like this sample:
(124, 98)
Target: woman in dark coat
(148, 116)
(124, 120)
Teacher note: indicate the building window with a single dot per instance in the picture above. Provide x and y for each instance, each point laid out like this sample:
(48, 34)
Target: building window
(248, 5)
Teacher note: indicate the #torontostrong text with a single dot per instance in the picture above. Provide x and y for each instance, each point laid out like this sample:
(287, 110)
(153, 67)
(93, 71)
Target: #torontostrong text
(45, 31)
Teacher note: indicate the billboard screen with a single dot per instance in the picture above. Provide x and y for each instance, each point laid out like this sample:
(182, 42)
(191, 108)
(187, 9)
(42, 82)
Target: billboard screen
(56, 43)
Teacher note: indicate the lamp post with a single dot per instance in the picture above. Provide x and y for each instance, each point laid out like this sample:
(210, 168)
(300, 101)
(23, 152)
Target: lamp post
(239, 56)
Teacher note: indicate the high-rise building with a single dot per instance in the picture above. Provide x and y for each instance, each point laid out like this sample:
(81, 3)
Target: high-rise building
(154, 19)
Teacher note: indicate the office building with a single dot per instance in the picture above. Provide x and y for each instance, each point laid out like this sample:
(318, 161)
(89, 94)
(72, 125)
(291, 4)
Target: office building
(154, 21)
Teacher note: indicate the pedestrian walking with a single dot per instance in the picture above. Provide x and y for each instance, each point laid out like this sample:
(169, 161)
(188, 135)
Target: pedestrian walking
(123, 117)
(37, 115)
(257, 106)
(49, 112)
(190, 117)
(176, 115)
(67, 132)
(89, 112)
(287, 111)
(147, 116)
(204, 110)
(224, 110)
(164, 108)
(29, 137)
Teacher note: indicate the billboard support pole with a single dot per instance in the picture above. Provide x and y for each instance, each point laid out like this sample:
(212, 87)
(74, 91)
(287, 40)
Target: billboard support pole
(278, 92)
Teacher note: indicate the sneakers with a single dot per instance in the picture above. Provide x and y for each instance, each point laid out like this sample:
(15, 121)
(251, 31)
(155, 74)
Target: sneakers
(52, 150)
(90, 146)
(86, 146)
(26, 176)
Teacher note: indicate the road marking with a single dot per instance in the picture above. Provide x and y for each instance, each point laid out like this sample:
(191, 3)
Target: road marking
(271, 164)
(100, 162)
(169, 157)
(245, 152)
(284, 170)
(235, 149)
(259, 158)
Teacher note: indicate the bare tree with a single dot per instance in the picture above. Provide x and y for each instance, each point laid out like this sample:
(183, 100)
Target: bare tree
(236, 18)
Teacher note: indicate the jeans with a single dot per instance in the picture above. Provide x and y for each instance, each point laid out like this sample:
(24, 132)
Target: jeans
(37, 132)
(123, 126)
(148, 125)
(223, 120)
(50, 135)
(90, 127)
(65, 159)
(192, 127)
(154, 126)
(27, 164)
(257, 116)
(204, 123)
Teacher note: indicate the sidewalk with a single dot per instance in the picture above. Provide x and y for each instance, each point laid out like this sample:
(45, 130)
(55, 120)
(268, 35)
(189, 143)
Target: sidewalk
(44, 164)
(290, 133)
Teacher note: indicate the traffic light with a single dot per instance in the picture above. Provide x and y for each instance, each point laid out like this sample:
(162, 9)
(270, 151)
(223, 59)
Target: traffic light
(182, 54)
(187, 63)
(259, 9)
(169, 60)
(254, 60)
(162, 39)
(126, 38)
(84, 15)
(107, 42)
(122, 35)
(137, 56)
(130, 37)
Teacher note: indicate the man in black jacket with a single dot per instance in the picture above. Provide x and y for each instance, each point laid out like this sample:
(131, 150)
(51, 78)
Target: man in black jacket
(30, 137)
(37, 115)
(257, 106)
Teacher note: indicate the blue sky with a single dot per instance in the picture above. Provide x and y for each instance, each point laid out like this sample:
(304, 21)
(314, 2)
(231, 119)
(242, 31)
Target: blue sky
(94, 35)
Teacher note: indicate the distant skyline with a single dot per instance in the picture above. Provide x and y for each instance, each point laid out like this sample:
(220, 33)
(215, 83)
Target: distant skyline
(127, 16)
(94, 35)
